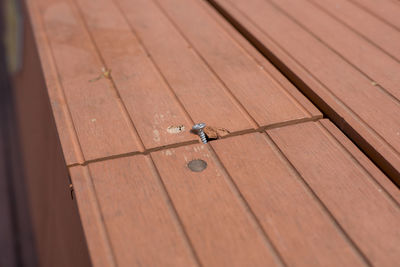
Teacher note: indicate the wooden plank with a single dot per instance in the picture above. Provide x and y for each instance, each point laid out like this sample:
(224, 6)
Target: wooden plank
(369, 217)
(218, 223)
(152, 210)
(268, 103)
(126, 195)
(220, 227)
(215, 67)
(386, 10)
(362, 159)
(299, 227)
(366, 113)
(102, 126)
(99, 248)
(370, 60)
(149, 101)
(37, 44)
(81, 101)
(198, 89)
(364, 23)
(261, 60)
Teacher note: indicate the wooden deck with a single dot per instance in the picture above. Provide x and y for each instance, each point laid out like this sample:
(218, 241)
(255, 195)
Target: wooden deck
(344, 55)
(127, 79)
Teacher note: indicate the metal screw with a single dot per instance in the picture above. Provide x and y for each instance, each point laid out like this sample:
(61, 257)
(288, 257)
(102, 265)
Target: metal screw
(199, 128)
(197, 165)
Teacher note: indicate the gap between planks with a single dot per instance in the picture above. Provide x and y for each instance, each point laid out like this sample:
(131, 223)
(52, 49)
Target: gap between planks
(233, 134)
(278, 258)
(306, 29)
(281, 155)
(227, 90)
(328, 112)
(134, 132)
(243, 201)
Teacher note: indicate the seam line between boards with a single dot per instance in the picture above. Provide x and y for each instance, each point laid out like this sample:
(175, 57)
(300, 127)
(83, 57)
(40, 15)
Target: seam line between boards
(300, 178)
(289, 74)
(236, 191)
(192, 142)
(386, 167)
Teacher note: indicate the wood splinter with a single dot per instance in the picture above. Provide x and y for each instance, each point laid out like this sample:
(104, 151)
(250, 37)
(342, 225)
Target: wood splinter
(215, 132)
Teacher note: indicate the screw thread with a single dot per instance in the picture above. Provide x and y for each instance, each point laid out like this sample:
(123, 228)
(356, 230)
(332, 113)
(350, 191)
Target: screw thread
(203, 137)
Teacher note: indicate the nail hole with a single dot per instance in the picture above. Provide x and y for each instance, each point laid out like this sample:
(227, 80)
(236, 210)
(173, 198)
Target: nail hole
(197, 165)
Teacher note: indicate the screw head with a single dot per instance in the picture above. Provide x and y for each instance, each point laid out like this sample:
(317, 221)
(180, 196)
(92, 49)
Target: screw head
(197, 165)
(199, 126)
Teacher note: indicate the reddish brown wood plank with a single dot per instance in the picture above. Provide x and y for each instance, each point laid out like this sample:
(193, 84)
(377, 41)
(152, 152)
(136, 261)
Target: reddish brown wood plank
(362, 159)
(151, 105)
(100, 122)
(92, 113)
(260, 59)
(369, 59)
(267, 103)
(219, 225)
(200, 92)
(126, 197)
(360, 206)
(361, 108)
(386, 10)
(208, 64)
(100, 250)
(42, 56)
(136, 213)
(367, 25)
(298, 226)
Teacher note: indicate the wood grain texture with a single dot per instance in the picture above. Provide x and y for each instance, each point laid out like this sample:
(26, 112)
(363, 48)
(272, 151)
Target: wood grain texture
(268, 102)
(369, 217)
(261, 60)
(38, 41)
(364, 23)
(211, 64)
(139, 224)
(321, 203)
(363, 160)
(153, 85)
(299, 195)
(386, 10)
(102, 127)
(199, 90)
(149, 101)
(369, 59)
(99, 247)
(217, 222)
(352, 100)
(293, 218)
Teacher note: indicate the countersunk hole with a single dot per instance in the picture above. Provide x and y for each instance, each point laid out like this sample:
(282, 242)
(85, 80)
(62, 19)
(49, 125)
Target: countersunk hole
(197, 165)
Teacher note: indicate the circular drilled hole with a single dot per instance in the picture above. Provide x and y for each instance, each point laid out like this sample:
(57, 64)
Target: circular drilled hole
(197, 165)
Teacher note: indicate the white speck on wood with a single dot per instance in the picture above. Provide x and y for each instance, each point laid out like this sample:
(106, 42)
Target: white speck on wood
(156, 135)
